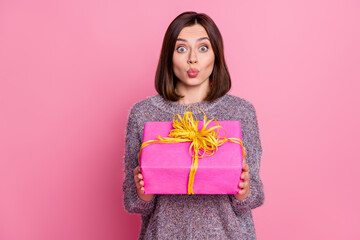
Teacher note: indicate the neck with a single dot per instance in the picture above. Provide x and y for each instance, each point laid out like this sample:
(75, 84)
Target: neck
(192, 94)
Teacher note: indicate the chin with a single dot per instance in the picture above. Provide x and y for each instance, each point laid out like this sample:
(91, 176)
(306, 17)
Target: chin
(193, 82)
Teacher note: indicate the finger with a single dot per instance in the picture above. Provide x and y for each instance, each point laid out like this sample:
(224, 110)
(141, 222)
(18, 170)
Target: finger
(246, 167)
(141, 183)
(245, 176)
(137, 185)
(138, 177)
(243, 185)
(142, 190)
(137, 170)
(242, 191)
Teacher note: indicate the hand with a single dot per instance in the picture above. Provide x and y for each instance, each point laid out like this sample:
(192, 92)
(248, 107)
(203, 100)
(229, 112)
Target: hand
(245, 185)
(138, 178)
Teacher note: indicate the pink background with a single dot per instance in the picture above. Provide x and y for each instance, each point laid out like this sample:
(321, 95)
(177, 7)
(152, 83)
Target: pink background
(71, 70)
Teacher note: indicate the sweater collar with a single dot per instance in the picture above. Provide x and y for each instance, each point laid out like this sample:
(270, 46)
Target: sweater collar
(175, 107)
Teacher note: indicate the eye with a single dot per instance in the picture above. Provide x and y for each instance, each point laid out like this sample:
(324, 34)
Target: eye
(204, 48)
(181, 49)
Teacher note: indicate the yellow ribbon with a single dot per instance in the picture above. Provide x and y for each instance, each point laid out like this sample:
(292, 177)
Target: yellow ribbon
(205, 142)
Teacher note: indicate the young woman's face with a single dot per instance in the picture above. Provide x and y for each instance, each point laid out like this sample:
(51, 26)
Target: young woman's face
(193, 54)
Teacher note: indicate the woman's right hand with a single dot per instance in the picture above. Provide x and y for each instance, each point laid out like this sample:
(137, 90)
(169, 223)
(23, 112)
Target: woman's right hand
(138, 178)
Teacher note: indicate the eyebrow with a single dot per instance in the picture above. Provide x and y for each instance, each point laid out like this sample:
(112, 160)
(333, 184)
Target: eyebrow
(181, 39)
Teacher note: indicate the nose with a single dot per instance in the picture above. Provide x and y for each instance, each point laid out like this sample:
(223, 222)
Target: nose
(192, 58)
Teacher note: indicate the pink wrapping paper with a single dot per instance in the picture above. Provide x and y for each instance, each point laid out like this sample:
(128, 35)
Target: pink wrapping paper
(166, 166)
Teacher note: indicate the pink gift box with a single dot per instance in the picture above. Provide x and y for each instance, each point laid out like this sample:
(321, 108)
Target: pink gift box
(166, 166)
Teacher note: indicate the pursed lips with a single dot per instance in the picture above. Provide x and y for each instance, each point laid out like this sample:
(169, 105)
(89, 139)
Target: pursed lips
(192, 72)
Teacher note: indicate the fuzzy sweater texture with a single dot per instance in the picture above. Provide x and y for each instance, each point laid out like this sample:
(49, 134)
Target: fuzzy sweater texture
(181, 216)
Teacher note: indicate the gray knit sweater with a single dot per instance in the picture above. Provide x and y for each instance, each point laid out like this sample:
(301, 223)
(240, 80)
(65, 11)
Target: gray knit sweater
(194, 216)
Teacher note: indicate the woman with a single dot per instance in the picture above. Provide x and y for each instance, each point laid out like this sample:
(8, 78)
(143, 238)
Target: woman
(192, 71)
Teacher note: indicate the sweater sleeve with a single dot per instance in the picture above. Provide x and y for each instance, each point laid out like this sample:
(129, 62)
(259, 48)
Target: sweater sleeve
(252, 144)
(132, 202)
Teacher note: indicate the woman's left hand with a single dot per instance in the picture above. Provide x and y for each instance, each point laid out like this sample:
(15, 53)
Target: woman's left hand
(244, 185)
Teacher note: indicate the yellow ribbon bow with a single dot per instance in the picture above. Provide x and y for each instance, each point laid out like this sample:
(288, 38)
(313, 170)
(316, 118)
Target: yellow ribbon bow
(205, 142)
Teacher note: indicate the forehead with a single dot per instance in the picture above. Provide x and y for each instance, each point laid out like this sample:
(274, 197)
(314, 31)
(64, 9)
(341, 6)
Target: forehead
(194, 31)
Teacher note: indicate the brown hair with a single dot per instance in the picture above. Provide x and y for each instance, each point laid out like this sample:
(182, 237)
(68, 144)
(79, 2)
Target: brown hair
(165, 79)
